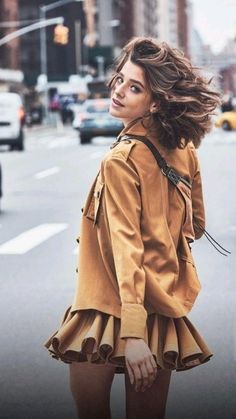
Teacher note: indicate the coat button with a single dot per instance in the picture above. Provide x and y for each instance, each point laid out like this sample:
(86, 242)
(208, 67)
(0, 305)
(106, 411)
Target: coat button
(82, 210)
(96, 194)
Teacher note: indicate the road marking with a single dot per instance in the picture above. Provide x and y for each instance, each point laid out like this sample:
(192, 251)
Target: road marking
(31, 238)
(47, 172)
(61, 142)
(96, 154)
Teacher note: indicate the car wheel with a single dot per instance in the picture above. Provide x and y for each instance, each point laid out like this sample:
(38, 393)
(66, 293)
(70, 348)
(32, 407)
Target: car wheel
(20, 141)
(226, 126)
(84, 139)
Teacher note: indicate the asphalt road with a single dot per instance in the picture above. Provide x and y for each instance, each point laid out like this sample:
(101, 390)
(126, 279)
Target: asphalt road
(44, 189)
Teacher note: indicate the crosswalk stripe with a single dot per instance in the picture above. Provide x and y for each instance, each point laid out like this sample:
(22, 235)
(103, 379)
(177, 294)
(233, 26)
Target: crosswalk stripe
(31, 238)
(47, 172)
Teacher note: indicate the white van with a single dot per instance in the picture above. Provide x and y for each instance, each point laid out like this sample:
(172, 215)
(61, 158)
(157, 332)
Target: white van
(12, 118)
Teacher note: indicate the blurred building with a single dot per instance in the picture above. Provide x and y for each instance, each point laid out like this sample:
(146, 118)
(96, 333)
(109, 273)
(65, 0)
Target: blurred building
(9, 53)
(97, 31)
(145, 17)
(183, 23)
(29, 57)
(62, 60)
(225, 61)
(167, 24)
(24, 52)
(167, 20)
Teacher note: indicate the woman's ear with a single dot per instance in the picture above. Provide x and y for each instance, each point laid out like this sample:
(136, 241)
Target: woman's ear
(154, 108)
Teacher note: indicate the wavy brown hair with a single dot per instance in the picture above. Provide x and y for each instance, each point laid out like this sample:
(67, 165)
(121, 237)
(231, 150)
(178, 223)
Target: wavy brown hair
(186, 99)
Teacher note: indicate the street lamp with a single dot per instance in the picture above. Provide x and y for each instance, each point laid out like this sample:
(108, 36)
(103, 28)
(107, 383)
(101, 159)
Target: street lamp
(43, 43)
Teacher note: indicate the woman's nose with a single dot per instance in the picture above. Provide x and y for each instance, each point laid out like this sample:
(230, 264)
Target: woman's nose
(119, 90)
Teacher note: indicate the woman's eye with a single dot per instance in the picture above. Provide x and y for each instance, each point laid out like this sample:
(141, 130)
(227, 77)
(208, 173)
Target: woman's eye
(119, 80)
(135, 89)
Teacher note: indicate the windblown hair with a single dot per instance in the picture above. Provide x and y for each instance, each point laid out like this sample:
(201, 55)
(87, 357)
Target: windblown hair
(186, 100)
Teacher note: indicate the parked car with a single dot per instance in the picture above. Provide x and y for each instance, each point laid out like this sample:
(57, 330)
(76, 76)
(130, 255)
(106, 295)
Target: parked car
(93, 119)
(227, 120)
(12, 119)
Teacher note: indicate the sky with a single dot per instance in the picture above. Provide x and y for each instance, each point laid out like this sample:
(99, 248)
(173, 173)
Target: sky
(215, 20)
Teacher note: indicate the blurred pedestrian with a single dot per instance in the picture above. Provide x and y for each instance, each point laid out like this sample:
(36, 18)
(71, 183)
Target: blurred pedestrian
(137, 280)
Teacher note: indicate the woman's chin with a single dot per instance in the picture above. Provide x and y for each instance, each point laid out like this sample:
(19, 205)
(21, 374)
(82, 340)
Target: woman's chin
(113, 112)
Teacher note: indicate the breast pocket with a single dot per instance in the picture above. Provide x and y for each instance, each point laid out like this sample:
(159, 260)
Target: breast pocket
(92, 207)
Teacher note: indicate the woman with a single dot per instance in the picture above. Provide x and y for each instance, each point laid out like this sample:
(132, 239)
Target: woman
(137, 279)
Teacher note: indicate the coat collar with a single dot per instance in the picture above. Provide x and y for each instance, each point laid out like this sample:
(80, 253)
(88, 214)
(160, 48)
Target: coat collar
(143, 126)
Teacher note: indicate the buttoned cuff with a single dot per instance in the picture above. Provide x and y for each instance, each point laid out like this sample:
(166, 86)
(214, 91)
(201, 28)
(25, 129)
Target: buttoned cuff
(133, 321)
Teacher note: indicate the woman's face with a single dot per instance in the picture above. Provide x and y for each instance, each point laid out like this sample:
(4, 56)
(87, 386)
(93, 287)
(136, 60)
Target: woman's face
(130, 96)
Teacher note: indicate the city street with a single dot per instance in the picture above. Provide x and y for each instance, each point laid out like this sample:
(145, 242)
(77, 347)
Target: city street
(44, 188)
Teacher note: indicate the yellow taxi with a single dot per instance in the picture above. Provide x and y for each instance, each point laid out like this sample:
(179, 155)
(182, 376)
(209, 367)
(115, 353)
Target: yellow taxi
(227, 120)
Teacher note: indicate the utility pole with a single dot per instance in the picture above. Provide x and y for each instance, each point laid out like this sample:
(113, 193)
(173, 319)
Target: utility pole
(43, 60)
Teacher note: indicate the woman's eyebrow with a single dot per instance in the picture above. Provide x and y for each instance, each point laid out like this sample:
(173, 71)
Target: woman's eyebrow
(133, 80)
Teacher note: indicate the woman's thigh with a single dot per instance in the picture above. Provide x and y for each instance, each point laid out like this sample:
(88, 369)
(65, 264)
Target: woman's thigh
(90, 386)
(151, 403)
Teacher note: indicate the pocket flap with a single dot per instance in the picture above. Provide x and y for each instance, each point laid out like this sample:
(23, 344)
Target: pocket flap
(92, 205)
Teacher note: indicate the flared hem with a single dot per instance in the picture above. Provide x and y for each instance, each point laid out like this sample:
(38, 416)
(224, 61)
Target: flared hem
(94, 336)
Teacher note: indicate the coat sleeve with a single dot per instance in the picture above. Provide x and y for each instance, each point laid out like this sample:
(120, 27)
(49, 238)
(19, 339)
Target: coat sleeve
(197, 200)
(123, 206)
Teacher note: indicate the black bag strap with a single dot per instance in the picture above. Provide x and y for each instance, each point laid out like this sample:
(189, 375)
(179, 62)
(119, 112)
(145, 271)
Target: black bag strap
(172, 175)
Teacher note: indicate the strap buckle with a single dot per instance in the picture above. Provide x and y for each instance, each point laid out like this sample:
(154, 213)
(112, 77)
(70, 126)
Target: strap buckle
(171, 174)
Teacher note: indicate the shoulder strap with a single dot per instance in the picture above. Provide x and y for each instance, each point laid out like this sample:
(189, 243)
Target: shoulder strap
(172, 175)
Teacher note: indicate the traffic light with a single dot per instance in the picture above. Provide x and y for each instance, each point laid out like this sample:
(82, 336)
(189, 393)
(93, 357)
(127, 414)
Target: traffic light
(61, 34)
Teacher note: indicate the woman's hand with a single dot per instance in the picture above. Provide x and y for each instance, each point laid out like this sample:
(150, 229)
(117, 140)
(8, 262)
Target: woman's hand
(141, 366)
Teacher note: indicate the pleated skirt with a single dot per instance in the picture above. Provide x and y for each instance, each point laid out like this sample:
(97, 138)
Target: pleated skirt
(94, 336)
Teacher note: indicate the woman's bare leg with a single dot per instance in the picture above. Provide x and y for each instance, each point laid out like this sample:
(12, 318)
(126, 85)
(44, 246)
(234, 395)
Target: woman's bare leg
(90, 386)
(151, 403)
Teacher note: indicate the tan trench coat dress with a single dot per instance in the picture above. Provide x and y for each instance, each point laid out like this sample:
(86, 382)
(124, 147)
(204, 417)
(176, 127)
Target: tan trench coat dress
(136, 276)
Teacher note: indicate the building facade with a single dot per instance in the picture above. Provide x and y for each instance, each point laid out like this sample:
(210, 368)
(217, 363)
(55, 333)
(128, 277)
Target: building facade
(145, 18)
(183, 21)
(97, 31)
(167, 22)
(9, 53)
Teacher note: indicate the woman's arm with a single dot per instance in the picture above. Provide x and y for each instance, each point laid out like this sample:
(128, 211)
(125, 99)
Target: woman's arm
(123, 207)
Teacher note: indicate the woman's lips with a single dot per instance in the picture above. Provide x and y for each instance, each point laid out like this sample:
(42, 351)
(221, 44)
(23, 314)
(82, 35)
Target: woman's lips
(116, 103)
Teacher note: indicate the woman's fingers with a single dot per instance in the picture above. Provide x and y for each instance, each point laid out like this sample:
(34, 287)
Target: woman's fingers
(153, 362)
(137, 377)
(146, 377)
(152, 370)
(154, 365)
(149, 373)
(141, 365)
(130, 372)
